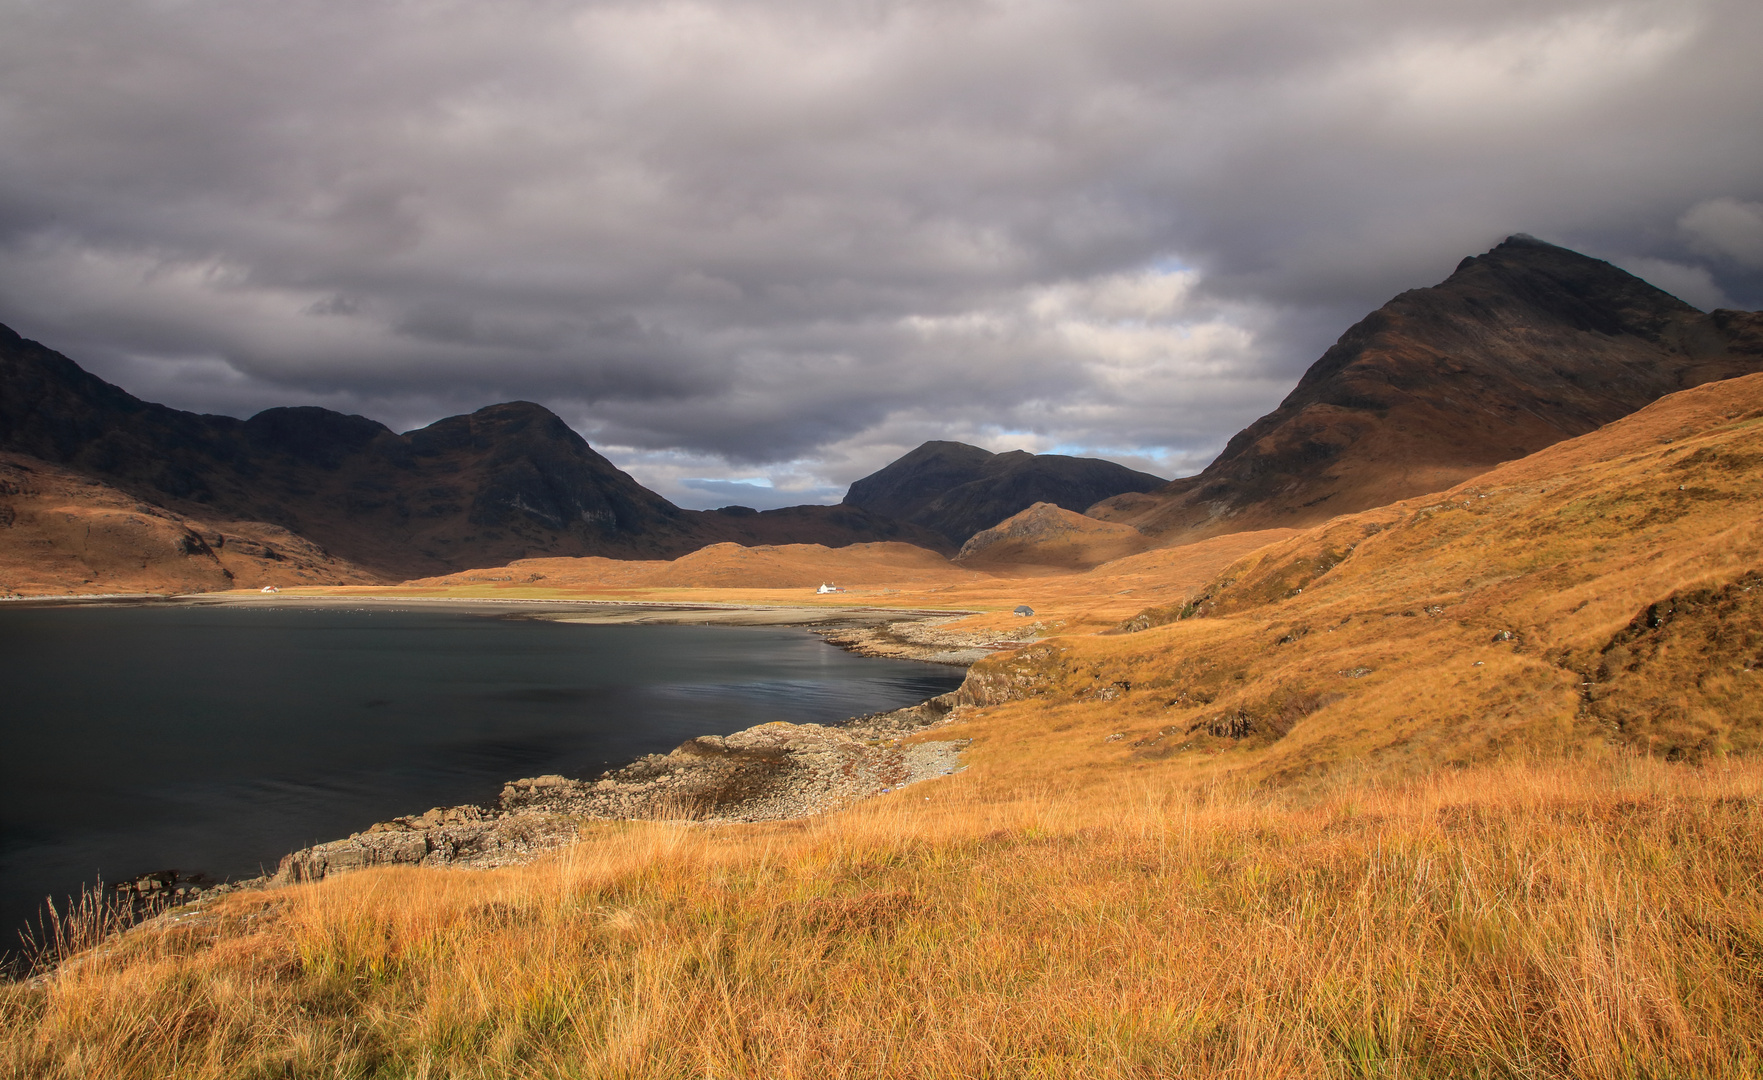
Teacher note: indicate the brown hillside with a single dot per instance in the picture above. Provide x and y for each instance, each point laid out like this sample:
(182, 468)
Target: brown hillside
(1520, 348)
(1609, 588)
(874, 575)
(64, 533)
(1048, 539)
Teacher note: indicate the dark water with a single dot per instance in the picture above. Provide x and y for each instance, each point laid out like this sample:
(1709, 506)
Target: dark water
(215, 740)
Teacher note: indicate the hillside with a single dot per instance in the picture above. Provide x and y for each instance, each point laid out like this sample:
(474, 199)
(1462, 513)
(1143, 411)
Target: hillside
(799, 567)
(1048, 538)
(828, 526)
(1603, 592)
(955, 490)
(66, 533)
(1518, 349)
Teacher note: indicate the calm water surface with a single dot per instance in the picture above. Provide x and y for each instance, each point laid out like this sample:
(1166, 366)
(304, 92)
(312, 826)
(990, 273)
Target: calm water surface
(217, 739)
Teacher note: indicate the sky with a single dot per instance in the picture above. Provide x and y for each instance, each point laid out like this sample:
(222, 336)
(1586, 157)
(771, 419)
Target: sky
(755, 249)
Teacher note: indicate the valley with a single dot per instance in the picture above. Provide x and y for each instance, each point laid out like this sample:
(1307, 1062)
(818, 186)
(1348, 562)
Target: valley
(1415, 736)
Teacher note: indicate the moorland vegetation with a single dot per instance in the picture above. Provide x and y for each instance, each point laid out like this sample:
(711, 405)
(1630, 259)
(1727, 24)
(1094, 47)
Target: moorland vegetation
(1462, 785)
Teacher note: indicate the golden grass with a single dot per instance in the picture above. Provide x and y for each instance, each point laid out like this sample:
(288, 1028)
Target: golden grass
(1589, 919)
(1506, 616)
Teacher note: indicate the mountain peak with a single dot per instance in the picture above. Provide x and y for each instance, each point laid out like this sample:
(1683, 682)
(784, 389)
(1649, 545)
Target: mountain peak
(1521, 347)
(956, 490)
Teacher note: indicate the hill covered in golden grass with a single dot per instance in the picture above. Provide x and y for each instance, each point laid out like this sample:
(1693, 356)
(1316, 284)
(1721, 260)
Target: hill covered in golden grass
(1605, 590)
(784, 566)
(1047, 539)
(1461, 786)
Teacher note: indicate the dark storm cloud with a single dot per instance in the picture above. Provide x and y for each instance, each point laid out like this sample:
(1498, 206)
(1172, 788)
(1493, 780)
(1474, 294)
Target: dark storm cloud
(793, 239)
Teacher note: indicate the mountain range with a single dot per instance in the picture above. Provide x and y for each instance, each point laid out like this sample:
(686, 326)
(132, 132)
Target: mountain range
(506, 482)
(1519, 348)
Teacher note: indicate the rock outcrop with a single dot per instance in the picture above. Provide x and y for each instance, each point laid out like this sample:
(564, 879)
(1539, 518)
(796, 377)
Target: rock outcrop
(445, 836)
(931, 640)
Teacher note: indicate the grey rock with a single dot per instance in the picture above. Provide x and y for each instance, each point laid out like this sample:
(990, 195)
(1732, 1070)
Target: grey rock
(764, 773)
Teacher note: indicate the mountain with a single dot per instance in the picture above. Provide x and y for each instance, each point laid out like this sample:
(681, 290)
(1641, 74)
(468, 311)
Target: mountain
(509, 481)
(955, 490)
(1520, 348)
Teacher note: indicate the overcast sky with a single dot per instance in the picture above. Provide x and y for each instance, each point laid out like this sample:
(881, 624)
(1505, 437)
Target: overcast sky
(749, 242)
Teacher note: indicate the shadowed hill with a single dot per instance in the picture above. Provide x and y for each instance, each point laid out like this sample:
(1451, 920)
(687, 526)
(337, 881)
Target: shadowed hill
(66, 533)
(1520, 348)
(955, 490)
(831, 526)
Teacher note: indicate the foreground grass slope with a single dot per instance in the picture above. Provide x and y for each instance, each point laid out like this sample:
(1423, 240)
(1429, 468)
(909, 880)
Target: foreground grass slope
(1588, 920)
(1456, 787)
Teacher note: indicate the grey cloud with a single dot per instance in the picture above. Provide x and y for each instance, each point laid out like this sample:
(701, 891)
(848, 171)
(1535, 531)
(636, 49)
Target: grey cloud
(726, 237)
(1727, 227)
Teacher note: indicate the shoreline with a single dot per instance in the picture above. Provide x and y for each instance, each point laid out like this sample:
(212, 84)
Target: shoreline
(775, 771)
(884, 632)
(769, 772)
(658, 612)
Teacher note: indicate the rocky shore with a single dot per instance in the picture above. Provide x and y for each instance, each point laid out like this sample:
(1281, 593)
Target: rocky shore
(929, 639)
(765, 773)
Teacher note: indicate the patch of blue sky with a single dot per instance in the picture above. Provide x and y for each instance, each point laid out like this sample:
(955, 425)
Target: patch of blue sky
(728, 484)
(1081, 450)
(1170, 264)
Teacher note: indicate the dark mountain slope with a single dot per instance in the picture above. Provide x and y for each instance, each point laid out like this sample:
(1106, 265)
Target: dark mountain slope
(509, 481)
(833, 526)
(1520, 348)
(956, 490)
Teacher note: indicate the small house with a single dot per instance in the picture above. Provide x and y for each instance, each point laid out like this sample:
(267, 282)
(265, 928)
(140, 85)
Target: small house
(1024, 610)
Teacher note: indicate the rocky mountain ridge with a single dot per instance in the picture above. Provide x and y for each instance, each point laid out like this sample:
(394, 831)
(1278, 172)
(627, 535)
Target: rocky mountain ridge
(1518, 349)
(508, 481)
